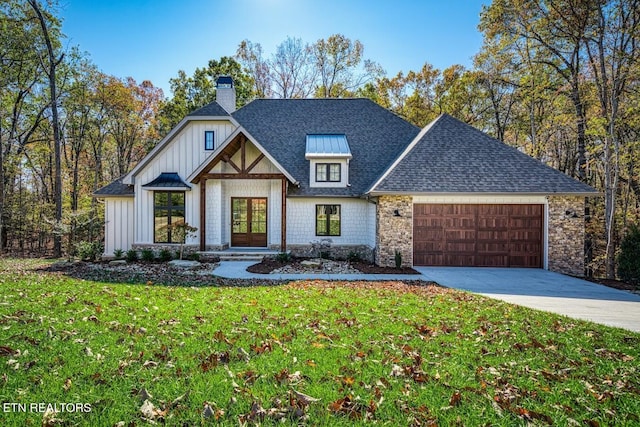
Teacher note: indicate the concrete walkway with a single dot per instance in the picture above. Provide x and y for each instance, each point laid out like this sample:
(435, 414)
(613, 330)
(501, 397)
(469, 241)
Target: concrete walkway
(238, 270)
(538, 289)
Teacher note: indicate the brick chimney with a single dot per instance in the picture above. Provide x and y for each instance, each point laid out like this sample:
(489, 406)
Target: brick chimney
(226, 93)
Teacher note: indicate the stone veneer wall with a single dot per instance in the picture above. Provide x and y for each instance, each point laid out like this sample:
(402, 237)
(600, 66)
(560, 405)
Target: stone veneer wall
(395, 233)
(566, 235)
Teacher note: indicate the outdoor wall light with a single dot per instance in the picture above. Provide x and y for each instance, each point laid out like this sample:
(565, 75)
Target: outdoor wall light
(570, 213)
(396, 212)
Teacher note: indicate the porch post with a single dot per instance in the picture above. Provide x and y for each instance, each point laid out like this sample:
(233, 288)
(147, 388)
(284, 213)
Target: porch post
(203, 210)
(283, 227)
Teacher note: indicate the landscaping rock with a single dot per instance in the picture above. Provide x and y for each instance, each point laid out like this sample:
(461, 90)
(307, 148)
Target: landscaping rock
(118, 262)
(311, 263)
(181, 263)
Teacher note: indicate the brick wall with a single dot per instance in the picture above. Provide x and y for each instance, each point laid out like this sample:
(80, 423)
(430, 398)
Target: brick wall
(395, 233)
(566, 235)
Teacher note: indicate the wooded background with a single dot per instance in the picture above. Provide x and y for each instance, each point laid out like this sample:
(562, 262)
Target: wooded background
(557, 79)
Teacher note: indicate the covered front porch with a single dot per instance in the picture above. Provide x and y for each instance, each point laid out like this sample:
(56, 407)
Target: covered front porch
(243, 201)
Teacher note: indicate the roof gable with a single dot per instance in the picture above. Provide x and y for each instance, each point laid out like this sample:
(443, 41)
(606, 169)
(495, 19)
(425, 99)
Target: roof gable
(212, 111)
(450, 156)
(228, 148)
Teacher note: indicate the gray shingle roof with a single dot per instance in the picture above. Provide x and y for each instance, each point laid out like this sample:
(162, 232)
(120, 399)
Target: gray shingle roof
(115, 189)
(376, 136)
(453, 157)
(213, 109)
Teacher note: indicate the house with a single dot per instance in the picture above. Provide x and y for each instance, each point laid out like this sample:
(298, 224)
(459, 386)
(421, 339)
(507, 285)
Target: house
(284, 173)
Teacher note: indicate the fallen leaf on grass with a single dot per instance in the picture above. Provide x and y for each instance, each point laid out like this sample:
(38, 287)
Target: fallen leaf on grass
(531, 415)
(143, 394)
(150, 364)
(7, 351)
(210, 412)
(456, 398)
(150, 412)
(352, 408)
(284, 377)
(303, 400)
(213, 360)
(49, 419)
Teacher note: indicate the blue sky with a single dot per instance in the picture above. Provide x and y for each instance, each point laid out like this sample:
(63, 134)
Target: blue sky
(153, 39)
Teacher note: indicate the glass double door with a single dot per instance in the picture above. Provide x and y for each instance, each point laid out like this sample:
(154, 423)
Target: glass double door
(248, 222)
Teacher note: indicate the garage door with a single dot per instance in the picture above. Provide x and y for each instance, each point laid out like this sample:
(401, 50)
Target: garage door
(478, 235)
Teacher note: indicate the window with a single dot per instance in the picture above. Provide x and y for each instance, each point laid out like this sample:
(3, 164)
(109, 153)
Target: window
(209, 139)
(168, 211)
(328, 172)
(327, 220)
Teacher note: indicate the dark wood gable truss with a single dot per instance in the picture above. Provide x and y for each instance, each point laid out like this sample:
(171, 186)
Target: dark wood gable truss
(242, 171)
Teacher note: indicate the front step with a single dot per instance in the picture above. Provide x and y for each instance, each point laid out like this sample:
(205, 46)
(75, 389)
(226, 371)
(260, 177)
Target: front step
(240, 254)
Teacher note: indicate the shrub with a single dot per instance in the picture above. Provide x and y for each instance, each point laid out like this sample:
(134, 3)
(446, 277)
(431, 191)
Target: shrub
(398, 260)
(629, 257)
(132, 255)
(283, 257)
(147, 255)
(89, 251)
(118, 253)
(194, 256)
(325, 255)
(353, 257)
(165, 255)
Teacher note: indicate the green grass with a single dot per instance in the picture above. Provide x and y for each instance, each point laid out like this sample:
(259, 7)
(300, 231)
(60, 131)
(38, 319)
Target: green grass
(383, 353)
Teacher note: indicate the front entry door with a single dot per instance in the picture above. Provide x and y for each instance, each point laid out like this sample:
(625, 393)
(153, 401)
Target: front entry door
(248, 222)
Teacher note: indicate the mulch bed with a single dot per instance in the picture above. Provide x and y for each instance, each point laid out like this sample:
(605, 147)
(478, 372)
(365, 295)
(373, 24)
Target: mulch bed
(153, 273)
(617, 284)
(157, 273)
(269, 264)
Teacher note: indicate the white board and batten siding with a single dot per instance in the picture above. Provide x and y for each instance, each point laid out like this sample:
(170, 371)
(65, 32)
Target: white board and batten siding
(357, 221)
(118, 233)
(182, 155)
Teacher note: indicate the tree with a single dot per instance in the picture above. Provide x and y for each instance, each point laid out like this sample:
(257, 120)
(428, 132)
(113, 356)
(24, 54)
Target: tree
(292, 71)
(53, 60)
(612, 50)
(21, 104)
(191, 93)
(556, 37)
(250, 56)
(337, 60)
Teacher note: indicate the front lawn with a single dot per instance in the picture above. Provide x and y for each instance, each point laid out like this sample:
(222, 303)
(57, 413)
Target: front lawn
(312, 352)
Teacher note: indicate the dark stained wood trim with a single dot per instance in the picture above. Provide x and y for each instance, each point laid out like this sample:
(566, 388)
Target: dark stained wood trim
(243, 153)
(283, 216)
(255, 163)
(242, 176)
(226, 158)
(203, 213)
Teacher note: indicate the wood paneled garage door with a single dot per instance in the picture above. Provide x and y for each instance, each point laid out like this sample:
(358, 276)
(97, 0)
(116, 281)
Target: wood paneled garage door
(478, 235)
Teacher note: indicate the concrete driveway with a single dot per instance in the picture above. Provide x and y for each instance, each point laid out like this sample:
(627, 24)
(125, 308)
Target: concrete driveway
(545, 290)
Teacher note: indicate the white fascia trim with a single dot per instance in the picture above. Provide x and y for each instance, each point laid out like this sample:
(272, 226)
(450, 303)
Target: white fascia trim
(130, 177)
(404, 153)
(418, 193)
(328, 156)
(227, 141)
